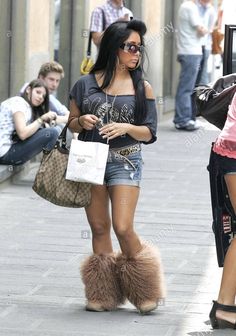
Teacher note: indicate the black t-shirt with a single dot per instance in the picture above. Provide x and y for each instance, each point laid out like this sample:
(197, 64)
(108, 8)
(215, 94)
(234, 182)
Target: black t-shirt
(90, 99)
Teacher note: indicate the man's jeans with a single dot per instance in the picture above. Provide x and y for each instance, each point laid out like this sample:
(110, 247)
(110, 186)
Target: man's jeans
(22, 151)
(203, 76)
(187, 79)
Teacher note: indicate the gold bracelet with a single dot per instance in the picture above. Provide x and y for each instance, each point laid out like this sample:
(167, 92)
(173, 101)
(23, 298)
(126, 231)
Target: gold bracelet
(40, 120)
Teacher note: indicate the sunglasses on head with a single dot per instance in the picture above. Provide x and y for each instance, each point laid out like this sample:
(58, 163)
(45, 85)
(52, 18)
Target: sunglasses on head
(131, 48)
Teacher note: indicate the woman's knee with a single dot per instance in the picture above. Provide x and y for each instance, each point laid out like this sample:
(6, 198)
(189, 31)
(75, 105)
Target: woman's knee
(52, 133)
(124, 232)
(50, 137)
(100, 228)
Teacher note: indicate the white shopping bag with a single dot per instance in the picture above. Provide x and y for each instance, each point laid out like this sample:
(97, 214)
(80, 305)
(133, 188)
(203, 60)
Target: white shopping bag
(87, 161)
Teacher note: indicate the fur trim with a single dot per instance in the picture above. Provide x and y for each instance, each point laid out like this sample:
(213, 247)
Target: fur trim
(142, 276)
(101, 279)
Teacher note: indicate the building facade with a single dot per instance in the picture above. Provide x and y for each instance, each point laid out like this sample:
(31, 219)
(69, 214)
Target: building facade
(28, 30)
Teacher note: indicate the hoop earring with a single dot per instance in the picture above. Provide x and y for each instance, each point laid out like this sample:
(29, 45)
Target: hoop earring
(117, 61)
(137, 65)
(120, 65)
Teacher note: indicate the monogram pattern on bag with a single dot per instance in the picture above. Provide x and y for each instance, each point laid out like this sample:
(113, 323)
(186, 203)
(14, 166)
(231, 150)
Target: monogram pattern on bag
(50, 182)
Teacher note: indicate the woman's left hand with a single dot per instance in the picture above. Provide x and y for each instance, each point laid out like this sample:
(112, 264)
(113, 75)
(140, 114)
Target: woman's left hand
(113, 130)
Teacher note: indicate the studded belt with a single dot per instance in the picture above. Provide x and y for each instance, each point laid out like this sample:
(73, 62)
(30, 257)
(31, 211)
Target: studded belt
(125, 151)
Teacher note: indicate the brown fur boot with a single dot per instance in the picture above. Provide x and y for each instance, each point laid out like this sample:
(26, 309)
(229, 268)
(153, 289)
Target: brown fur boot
(102, 284)
(142, 278)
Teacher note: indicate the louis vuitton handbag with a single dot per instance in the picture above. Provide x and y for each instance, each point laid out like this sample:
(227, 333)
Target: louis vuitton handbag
(50, 181)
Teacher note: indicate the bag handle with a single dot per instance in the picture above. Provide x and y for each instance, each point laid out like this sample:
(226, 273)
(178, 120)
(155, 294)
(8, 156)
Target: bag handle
(89, 45)
(90, 34)
(61, 140)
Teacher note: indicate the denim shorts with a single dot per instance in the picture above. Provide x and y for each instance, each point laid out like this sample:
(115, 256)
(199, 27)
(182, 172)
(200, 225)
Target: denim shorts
(226, 165)
(123, 169)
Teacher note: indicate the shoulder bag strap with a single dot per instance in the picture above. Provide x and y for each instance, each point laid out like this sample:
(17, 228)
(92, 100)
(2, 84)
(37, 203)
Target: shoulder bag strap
(103, 20)
(89, 45)
(90, 34)
(61, 140)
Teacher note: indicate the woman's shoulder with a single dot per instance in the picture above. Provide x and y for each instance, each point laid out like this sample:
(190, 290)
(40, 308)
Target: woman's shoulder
(148, 90)
(14, 100)
(85, 79)
(83, 82)
(16, 103)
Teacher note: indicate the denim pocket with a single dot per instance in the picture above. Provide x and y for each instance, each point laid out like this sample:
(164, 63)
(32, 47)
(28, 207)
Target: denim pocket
(134, 163)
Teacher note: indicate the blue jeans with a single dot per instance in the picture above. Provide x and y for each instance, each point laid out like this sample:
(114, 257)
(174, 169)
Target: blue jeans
(187, 79)
(203, 77)
(22, 151)
(123, 170)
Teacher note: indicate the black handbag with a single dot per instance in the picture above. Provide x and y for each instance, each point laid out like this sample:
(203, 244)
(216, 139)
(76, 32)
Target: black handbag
(223, 216)
(212, 102)
(50, 181)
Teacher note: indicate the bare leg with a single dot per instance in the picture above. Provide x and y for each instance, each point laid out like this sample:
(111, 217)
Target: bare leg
(228, 283)
(124, 200)
(99, 220)
(99, 271)
(230, 180)
(139, 265)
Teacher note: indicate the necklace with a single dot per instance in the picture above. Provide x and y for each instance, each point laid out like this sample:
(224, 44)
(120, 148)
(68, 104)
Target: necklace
(109, 110)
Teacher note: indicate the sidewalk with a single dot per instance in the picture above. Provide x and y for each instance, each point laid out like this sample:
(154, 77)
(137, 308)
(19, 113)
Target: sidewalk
(42, 245)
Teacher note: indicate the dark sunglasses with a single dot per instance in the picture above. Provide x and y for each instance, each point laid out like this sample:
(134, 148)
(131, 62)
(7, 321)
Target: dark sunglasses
(131, 48)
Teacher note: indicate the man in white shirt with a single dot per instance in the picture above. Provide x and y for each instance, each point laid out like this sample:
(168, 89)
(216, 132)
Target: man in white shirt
(208, 16)
(189, 54)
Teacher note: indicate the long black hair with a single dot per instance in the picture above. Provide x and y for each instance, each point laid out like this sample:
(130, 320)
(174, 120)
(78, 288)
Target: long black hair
(114, 36)
(37, 111)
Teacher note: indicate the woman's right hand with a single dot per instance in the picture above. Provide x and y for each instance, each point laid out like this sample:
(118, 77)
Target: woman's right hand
(88, 121)
(79, 121)
(49, 116)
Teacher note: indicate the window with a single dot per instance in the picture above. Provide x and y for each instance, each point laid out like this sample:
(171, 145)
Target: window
(229, 60)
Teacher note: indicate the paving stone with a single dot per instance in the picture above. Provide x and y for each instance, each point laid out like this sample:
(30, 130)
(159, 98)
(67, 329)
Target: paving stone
(42, 245)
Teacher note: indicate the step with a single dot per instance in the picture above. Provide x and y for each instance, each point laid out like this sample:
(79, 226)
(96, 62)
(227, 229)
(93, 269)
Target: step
(8, 171)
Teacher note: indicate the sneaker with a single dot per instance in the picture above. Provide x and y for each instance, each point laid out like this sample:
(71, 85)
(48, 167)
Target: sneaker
(191, 125)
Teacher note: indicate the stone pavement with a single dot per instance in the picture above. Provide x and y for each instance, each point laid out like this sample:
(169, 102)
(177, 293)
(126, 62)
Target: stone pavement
(42, 245)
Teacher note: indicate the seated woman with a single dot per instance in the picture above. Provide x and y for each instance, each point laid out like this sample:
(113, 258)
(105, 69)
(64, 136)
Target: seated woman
(25, 125)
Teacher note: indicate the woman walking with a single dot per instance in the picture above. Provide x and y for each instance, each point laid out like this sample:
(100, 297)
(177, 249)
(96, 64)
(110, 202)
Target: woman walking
(114, 104)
